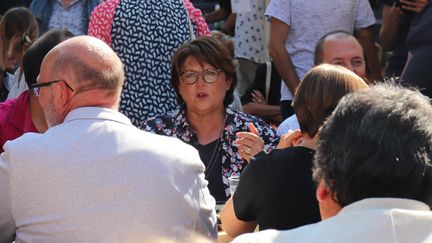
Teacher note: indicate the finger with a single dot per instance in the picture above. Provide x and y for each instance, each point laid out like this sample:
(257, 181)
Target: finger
(255, 97)
(245, 156)
(253, 129)
(247, 135)
(257, 144)
(289, 139)
(249, 139)
(258, 94)
(250, 147)
(407, 3)
(414, 9)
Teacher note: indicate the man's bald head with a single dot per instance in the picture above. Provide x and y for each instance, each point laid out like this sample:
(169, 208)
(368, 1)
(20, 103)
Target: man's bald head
(341, 48)
(89, 62)
(82, 71)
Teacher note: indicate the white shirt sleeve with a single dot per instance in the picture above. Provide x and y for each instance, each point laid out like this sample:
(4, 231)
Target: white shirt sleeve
(280, 9)
(7, 223)
(364, 16)
(290, 124)
(207, 222)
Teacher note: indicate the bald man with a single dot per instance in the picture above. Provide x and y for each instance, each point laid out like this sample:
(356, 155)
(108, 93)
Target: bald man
(341, 48)
(93, 176)
(338, 48)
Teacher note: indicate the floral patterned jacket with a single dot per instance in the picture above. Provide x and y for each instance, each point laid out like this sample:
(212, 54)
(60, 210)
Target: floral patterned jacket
(175, 124)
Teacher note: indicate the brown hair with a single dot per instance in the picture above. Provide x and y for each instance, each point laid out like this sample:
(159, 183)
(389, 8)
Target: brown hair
(205, 50)
(18, 30)
(319, 93)
(225, 40)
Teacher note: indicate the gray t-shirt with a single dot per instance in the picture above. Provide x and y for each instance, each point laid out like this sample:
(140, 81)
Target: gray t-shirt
(310, 20)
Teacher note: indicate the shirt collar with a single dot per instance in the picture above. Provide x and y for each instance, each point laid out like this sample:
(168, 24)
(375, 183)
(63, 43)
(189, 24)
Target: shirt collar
(385, 203)
(97, 113)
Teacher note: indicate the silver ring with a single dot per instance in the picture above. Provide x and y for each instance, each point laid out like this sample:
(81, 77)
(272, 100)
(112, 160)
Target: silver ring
(248, 150)
(259, 101)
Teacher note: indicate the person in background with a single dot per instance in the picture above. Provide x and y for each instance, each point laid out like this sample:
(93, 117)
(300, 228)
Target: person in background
(222, 13)
(18, 30)
(418, 71)
(204, 77)
(373, 171)
(276, 190)
(397, 17)
(229, 44)
(249, 39)
(262, 100)
(24, 114)
(93, 176)
(145, 35)
(295, 28)
(71, 14)
(338, 48)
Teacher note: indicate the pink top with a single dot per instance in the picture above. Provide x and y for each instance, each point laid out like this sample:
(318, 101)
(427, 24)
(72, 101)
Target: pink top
(100, 24)
(15, 118)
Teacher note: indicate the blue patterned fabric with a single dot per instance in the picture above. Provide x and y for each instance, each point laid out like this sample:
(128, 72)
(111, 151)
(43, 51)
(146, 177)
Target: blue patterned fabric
(145, 35)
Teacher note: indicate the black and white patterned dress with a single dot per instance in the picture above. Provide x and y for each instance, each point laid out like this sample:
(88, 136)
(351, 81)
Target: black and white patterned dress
(145, 35)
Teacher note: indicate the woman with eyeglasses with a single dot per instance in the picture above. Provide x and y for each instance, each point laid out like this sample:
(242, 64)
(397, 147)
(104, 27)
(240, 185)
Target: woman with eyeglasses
(24, 113)
(204, 77)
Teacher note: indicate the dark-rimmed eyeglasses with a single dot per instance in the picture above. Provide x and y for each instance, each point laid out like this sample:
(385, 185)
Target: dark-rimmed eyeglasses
(37, 86)
(209, 76)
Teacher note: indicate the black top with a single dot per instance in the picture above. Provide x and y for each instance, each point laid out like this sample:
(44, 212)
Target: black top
(419, 72)
(396, 62)
(213, 172)
(277, 190)
(259, 84)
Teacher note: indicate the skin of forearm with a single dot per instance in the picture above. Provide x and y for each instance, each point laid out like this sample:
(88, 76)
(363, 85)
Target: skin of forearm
(284, 66)
(261, 109)
(215, 15)
(365, 38)
(388, 30)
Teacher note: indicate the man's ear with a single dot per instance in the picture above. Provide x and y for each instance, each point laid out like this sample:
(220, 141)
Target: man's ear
(327, 205)
(322, 193)
(64, 94)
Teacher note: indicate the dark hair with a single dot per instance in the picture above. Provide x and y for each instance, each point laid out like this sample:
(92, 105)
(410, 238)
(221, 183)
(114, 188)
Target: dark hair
(318, 54)
(377, 143)
(18, 29)
(319, 93)
(34, 56)
(205, 50)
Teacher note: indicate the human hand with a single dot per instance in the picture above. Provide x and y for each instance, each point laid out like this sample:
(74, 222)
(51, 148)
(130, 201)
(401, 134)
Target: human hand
(290, 139)
(258, 97)
(413, 5)
(396, 12)
(249, 143)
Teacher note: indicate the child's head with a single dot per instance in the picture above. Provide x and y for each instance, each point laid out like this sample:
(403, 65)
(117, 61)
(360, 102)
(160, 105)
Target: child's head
(18, 30)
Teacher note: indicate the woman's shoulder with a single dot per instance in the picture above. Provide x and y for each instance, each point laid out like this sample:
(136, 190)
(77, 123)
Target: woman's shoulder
(291, 157)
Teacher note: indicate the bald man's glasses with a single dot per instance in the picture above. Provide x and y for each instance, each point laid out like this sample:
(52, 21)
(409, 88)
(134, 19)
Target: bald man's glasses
(37, 86)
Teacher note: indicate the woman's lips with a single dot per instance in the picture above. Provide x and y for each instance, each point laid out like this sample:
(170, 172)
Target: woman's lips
(201, 95)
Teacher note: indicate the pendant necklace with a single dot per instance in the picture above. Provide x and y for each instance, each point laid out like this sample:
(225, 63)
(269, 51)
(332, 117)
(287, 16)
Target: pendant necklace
(210, 166)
